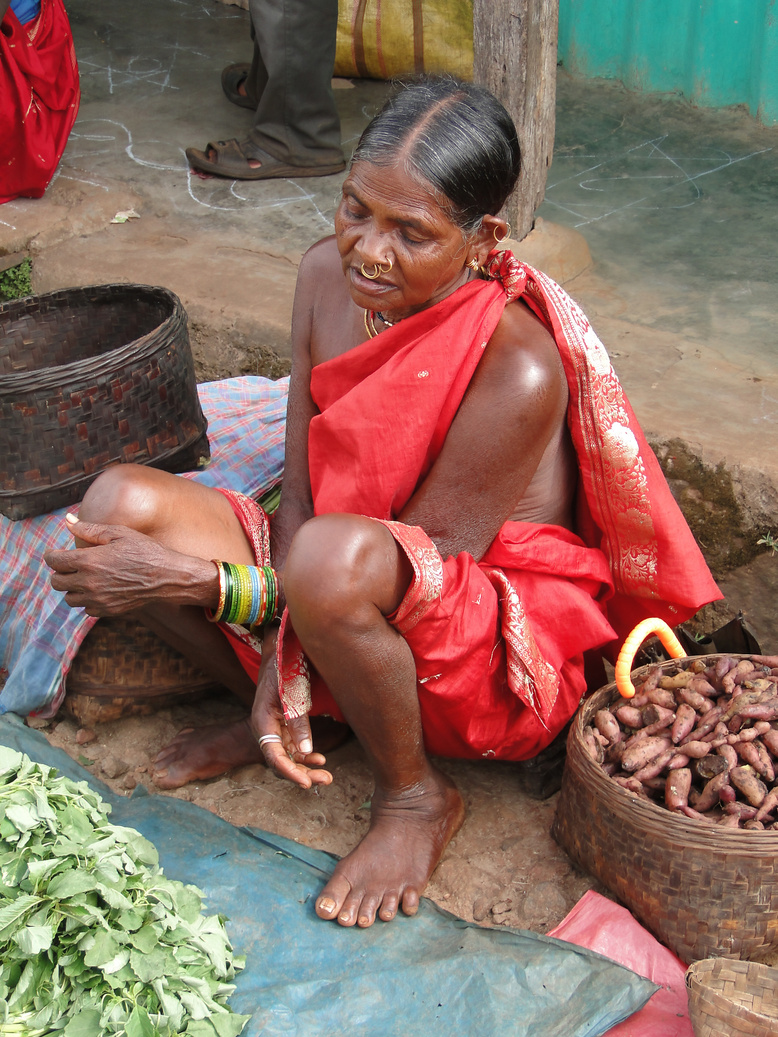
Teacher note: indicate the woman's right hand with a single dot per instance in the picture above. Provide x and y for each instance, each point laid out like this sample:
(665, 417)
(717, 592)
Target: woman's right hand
(121, 570)
(290, 753)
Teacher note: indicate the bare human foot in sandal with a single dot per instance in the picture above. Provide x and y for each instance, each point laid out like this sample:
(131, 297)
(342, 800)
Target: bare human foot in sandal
(245, 160)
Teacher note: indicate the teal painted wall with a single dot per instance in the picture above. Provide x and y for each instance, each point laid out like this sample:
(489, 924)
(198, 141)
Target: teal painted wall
(713, 52)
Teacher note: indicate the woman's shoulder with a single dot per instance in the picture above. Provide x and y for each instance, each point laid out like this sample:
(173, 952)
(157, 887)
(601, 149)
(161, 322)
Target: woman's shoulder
(321, 258)
(522, 349)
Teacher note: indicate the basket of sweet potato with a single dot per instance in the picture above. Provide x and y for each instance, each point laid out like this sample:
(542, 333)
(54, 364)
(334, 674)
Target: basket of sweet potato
(670, 799)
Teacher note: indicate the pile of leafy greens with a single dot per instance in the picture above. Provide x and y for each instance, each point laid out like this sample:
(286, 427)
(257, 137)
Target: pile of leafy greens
(94, 939)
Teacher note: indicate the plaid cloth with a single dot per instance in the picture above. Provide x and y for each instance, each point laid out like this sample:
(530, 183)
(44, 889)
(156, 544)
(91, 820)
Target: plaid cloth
(39, 634)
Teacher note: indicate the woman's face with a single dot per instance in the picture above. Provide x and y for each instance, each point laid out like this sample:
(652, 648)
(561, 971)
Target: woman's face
(387, 215)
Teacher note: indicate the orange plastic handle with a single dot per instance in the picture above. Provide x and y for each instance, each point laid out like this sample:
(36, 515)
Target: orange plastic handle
(633, 641)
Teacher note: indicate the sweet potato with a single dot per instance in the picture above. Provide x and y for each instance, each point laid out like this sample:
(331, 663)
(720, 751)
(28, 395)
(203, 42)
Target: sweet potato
(653, 729)
(643, 752)
(629, 716)
(746, 781)
(677, 788)
(695, 749)
(684, 723)
(737, 675)
(738, 702)
(671, 682)
(607, 724)
(769, 805)
(709, 796)
(770, 661)
(696, 814)
(765, 710)
(632, 785)
(741, 810)
(655, 767)
(708, 723)
(678, 760)
(703, 686)
(727, 795)
(729, 821)
(700, 702)
(660, 697)
(728, 753)
(770, 739)
(709, 766)
(593, 747)
(653, 714)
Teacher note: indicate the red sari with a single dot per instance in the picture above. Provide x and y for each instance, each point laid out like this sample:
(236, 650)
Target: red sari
(39, 98)
(498, 644)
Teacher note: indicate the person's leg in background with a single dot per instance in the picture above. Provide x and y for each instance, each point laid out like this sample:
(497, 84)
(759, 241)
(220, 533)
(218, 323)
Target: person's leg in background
(296, 128)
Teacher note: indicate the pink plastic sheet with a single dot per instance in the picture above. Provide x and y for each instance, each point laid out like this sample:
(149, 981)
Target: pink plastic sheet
(600, 925)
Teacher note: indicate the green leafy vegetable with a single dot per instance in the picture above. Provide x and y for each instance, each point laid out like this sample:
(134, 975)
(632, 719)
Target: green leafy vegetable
(95, 941)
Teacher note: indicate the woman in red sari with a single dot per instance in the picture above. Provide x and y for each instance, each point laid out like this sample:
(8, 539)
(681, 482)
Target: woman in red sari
(39, 94)
(469, 508)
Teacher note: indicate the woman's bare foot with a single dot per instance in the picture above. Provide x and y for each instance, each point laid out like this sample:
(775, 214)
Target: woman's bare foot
(207, 752)
(391, 866)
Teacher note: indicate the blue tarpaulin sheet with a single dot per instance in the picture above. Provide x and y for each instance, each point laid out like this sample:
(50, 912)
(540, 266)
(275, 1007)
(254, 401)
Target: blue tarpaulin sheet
(433, 975)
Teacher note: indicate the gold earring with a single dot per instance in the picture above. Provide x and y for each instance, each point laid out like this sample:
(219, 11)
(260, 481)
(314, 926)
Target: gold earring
(474, 264)
(507, 233)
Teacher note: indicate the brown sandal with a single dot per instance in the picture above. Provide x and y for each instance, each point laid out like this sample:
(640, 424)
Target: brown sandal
(232, 158)
(232, 78)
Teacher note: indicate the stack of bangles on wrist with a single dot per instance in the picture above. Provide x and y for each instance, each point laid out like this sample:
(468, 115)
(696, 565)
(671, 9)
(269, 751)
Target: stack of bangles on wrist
(248, 595)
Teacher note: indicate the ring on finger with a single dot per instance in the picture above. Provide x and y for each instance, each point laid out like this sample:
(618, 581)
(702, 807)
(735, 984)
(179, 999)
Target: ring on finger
(264, 739)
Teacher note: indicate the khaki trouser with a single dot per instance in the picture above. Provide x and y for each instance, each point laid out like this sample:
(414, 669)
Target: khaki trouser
(294, 53)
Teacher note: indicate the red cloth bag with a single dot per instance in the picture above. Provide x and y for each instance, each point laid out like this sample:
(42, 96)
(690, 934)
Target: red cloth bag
(39, 98)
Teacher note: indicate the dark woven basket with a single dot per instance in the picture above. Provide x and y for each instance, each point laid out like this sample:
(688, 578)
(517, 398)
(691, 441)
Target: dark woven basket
(732, 998)
(124, 669)
(704, 891)
(92, 377)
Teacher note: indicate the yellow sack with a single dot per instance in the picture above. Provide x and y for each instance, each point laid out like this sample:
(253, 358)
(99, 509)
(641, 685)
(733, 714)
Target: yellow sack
(380, 39)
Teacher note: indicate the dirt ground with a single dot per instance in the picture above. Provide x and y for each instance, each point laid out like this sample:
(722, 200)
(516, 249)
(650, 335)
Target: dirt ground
(502, 868)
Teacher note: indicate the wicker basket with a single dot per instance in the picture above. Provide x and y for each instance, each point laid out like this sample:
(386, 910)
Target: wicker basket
(732, 998)
(123, 669)
(91, 377)
(704, 891)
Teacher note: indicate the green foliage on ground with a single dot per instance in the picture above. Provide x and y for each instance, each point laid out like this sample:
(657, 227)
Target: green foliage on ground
(95, 941)
(16, 282)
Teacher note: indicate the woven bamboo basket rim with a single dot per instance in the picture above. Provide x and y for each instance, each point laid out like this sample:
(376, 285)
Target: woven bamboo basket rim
(78, 477)
(696, 834)
(105, 363)
(706, 982)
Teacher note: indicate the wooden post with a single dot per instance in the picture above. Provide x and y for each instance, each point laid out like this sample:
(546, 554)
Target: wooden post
(515, 56)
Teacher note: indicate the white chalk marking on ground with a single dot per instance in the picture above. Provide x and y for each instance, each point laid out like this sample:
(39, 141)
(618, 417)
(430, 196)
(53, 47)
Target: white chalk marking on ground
(583, 210)
(83, 180)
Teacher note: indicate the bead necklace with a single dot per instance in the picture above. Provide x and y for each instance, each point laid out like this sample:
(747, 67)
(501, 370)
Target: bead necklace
(370, 328)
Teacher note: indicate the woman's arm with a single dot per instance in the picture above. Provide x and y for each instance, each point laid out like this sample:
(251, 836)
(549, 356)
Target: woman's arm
(510, 416)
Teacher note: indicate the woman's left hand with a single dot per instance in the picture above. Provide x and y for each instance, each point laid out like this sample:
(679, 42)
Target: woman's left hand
(115, 569)
(285, 742)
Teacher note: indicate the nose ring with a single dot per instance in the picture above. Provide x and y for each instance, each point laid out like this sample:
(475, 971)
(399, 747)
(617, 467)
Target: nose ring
(378, 269)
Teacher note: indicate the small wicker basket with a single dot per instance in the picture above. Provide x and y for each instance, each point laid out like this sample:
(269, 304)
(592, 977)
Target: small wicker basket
(91, 377)
(732, 998)
(703, 890)
(124, 669)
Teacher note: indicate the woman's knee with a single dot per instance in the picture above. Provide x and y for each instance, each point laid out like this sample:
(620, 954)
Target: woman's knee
(125, 495)
(336, 562)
